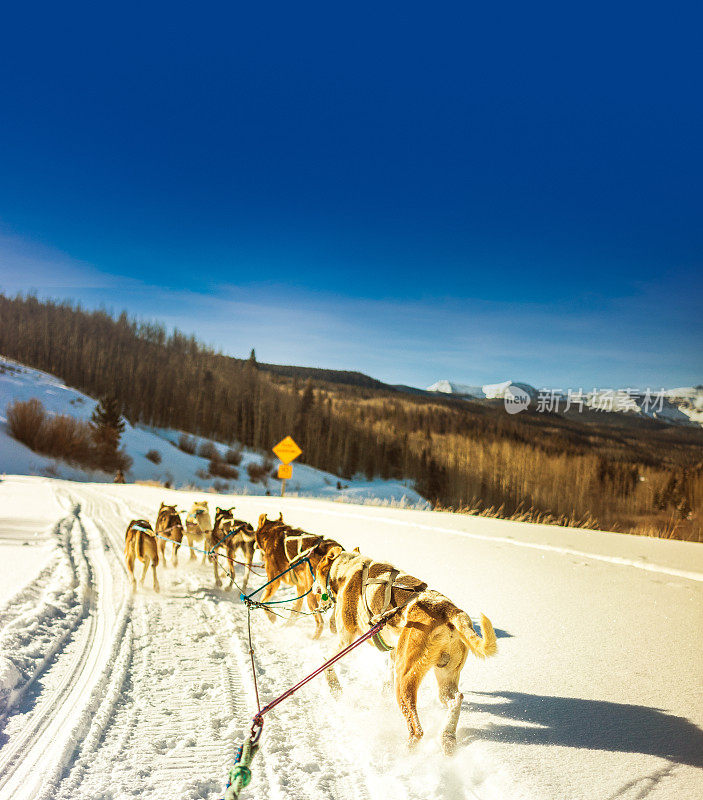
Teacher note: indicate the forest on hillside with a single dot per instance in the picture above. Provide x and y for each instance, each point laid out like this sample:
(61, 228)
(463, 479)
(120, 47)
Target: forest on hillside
(629, 475)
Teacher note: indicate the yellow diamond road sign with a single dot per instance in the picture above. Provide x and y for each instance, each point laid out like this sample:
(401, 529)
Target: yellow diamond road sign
(287, 450)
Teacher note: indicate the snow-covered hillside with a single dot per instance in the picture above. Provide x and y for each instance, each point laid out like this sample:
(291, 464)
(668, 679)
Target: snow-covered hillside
(18, 382)
(682, 406)
(595, 691)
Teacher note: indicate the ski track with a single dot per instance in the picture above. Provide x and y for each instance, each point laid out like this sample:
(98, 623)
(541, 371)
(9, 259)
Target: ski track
(76, 649)
(163, 727)
(36, 622)
(155, 692)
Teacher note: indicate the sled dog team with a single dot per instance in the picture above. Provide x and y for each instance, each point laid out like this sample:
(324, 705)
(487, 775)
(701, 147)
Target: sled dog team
(225, 537)
(424, 630)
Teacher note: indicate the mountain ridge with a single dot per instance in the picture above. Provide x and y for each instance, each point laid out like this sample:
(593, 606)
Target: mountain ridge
(678, 406)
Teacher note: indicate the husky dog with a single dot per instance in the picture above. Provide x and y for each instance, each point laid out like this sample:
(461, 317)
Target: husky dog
(424, 630)
(140, 543)
(169, 525)
(231, 536)
(198, 526)
(281, 546)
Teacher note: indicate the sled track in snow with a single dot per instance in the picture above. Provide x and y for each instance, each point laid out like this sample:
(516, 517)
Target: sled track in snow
(29, 626)
(22, 758)
(170, 723)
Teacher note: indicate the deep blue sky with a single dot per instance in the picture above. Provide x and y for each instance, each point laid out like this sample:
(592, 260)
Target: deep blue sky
(411, 190)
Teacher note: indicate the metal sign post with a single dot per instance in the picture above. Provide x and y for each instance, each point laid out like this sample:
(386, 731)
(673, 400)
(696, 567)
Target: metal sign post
(285, 472)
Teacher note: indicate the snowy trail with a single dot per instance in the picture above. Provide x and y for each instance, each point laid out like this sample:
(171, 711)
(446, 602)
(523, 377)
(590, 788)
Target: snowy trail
(78, 654)
(595, 692)
(163, 726)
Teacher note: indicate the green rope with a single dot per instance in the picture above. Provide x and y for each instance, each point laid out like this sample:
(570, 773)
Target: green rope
(240, 773)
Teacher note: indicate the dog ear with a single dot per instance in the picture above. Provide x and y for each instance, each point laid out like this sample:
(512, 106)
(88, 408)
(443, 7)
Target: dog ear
(325, 564)
(280, 516)
(330, 555)
(356, 550)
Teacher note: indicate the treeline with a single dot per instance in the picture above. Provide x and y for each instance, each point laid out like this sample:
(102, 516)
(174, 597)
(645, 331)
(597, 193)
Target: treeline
(173, 381)
(637, 475)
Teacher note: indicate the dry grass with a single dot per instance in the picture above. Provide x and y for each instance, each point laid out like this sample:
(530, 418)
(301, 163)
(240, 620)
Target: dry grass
(187, 444)
(60, 436)
(532, 515)
(668, 527)
(258, 473)
(25, 420)
(219, 469)
(209, 451)
(233, 456)
(154, 456)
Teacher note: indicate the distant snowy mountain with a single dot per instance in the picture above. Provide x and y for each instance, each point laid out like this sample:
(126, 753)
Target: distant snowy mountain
(489, 391)
(689, 401)
(681, 406)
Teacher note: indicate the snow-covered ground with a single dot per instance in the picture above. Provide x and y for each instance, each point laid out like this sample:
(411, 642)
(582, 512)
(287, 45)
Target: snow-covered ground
(179, 469)
(26, 542)
(595, 692)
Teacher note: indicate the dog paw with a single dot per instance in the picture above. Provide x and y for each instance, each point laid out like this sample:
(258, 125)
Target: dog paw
(448, 744)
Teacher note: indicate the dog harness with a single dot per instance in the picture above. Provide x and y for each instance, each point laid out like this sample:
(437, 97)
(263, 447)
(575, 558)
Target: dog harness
(192, 517)
(299, 538)
(234, 530)
(174, 526)
(138, 525)
(389, 581)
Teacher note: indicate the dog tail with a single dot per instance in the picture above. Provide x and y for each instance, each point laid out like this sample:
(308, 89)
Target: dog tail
(481, 646)
(129, 537)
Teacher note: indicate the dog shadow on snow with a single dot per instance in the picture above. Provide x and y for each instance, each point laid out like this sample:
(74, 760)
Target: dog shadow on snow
(589, 724)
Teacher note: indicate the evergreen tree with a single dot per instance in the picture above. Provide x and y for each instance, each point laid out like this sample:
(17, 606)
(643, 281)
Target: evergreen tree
(252, 357)
(108, 426)
(307, 403)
